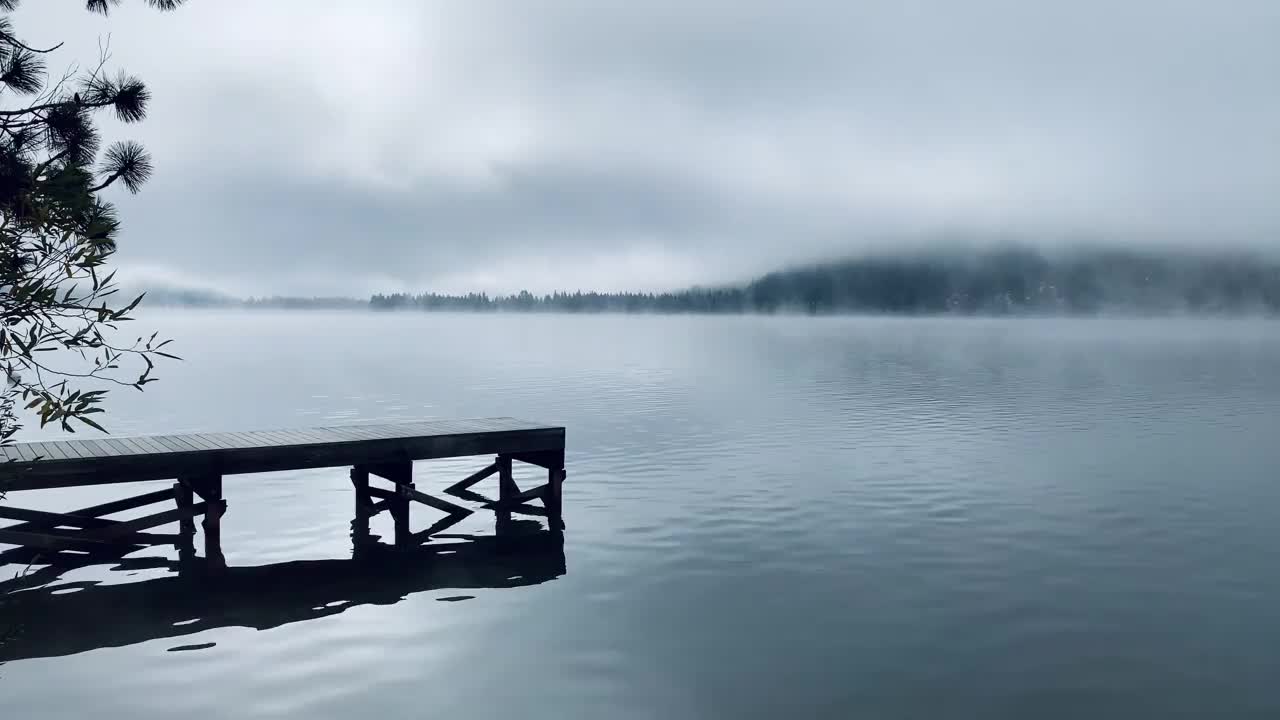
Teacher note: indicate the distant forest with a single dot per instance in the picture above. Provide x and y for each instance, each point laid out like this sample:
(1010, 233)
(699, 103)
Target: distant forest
(980, 282)
(997, 282)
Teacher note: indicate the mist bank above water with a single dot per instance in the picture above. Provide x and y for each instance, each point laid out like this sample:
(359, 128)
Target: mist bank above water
(994, 281)
(1000, 281)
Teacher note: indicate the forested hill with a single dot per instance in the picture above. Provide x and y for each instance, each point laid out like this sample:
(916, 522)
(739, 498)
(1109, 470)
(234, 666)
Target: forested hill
(998, 281)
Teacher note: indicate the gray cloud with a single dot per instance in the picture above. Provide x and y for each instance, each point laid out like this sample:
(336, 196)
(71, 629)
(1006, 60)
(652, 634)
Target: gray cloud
(326, 147)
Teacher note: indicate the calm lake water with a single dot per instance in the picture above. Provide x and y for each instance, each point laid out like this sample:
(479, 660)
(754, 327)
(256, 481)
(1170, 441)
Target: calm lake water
(767, 517)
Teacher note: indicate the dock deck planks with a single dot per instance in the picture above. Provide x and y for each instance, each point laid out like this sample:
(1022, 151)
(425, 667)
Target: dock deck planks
(106, 460)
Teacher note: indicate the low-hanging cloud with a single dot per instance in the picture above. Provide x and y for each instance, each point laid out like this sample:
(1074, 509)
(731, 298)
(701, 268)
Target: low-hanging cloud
(401, 144)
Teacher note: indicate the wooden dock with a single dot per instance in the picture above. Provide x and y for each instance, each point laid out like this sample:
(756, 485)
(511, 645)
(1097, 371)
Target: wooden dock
(197, 464)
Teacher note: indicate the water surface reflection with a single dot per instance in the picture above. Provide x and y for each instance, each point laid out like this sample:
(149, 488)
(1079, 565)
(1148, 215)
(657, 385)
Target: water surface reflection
(51, 619)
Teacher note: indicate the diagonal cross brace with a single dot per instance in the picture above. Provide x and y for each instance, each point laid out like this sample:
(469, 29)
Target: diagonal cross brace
(441, 505)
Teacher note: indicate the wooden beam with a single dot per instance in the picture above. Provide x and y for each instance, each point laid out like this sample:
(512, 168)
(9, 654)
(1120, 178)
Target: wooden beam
(110, 508)
(65, 559)
(396, 472)
(125, 527)
(383, 493)
(408, 491)
(440, 525)
(50, 541)
(527, 510)
(120, 533)
(548, 459)
(520, 497)
(472, 479)
(474, 497)
(51, 520)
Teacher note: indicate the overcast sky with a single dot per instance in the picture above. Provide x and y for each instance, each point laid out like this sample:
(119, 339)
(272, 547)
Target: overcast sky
(309, 146)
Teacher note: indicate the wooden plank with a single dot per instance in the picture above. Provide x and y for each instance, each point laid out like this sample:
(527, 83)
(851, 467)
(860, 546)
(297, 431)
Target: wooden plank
(54, 450)
(39, 450)
(382, 493)
(50, 542)
(114, 446)
(527, 510)
(437, 503)
(302, 437)
(134, 447)
(242, 440)
(148, 441)
(470, 496)
(63, 559)
(315, 436)
(375, 432)
(205, 441)
(444, 428)
(83, 449)
(232, 441)
(202, 441)
(549, 460)
(128, 526)
(473, 478)
(131, 503)
(35, 518)
(440, 525)
(353, 432)
(289, 438)
(396, 472)
(176, 443)
(103, 509)
(222, 440)
(268, 438)
(527, 495)
(264, 438)
(87, 449)
(170, 444)
(78, 536)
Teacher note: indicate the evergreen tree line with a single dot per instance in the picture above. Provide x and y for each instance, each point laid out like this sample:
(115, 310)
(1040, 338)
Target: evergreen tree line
(1001, 281)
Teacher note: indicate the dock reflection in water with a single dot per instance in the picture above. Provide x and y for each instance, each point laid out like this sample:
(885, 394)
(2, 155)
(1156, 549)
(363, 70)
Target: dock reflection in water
(72, 618)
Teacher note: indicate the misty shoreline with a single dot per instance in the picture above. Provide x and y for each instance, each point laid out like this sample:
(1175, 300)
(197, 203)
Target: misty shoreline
(999, 282)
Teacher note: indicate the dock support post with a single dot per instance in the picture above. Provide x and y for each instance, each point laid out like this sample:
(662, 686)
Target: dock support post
(364, 503)
(552, 500)
(507, 489)
(400, 516)
(213, 524)
(209, 488)
(400, 474)
(186, 544)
